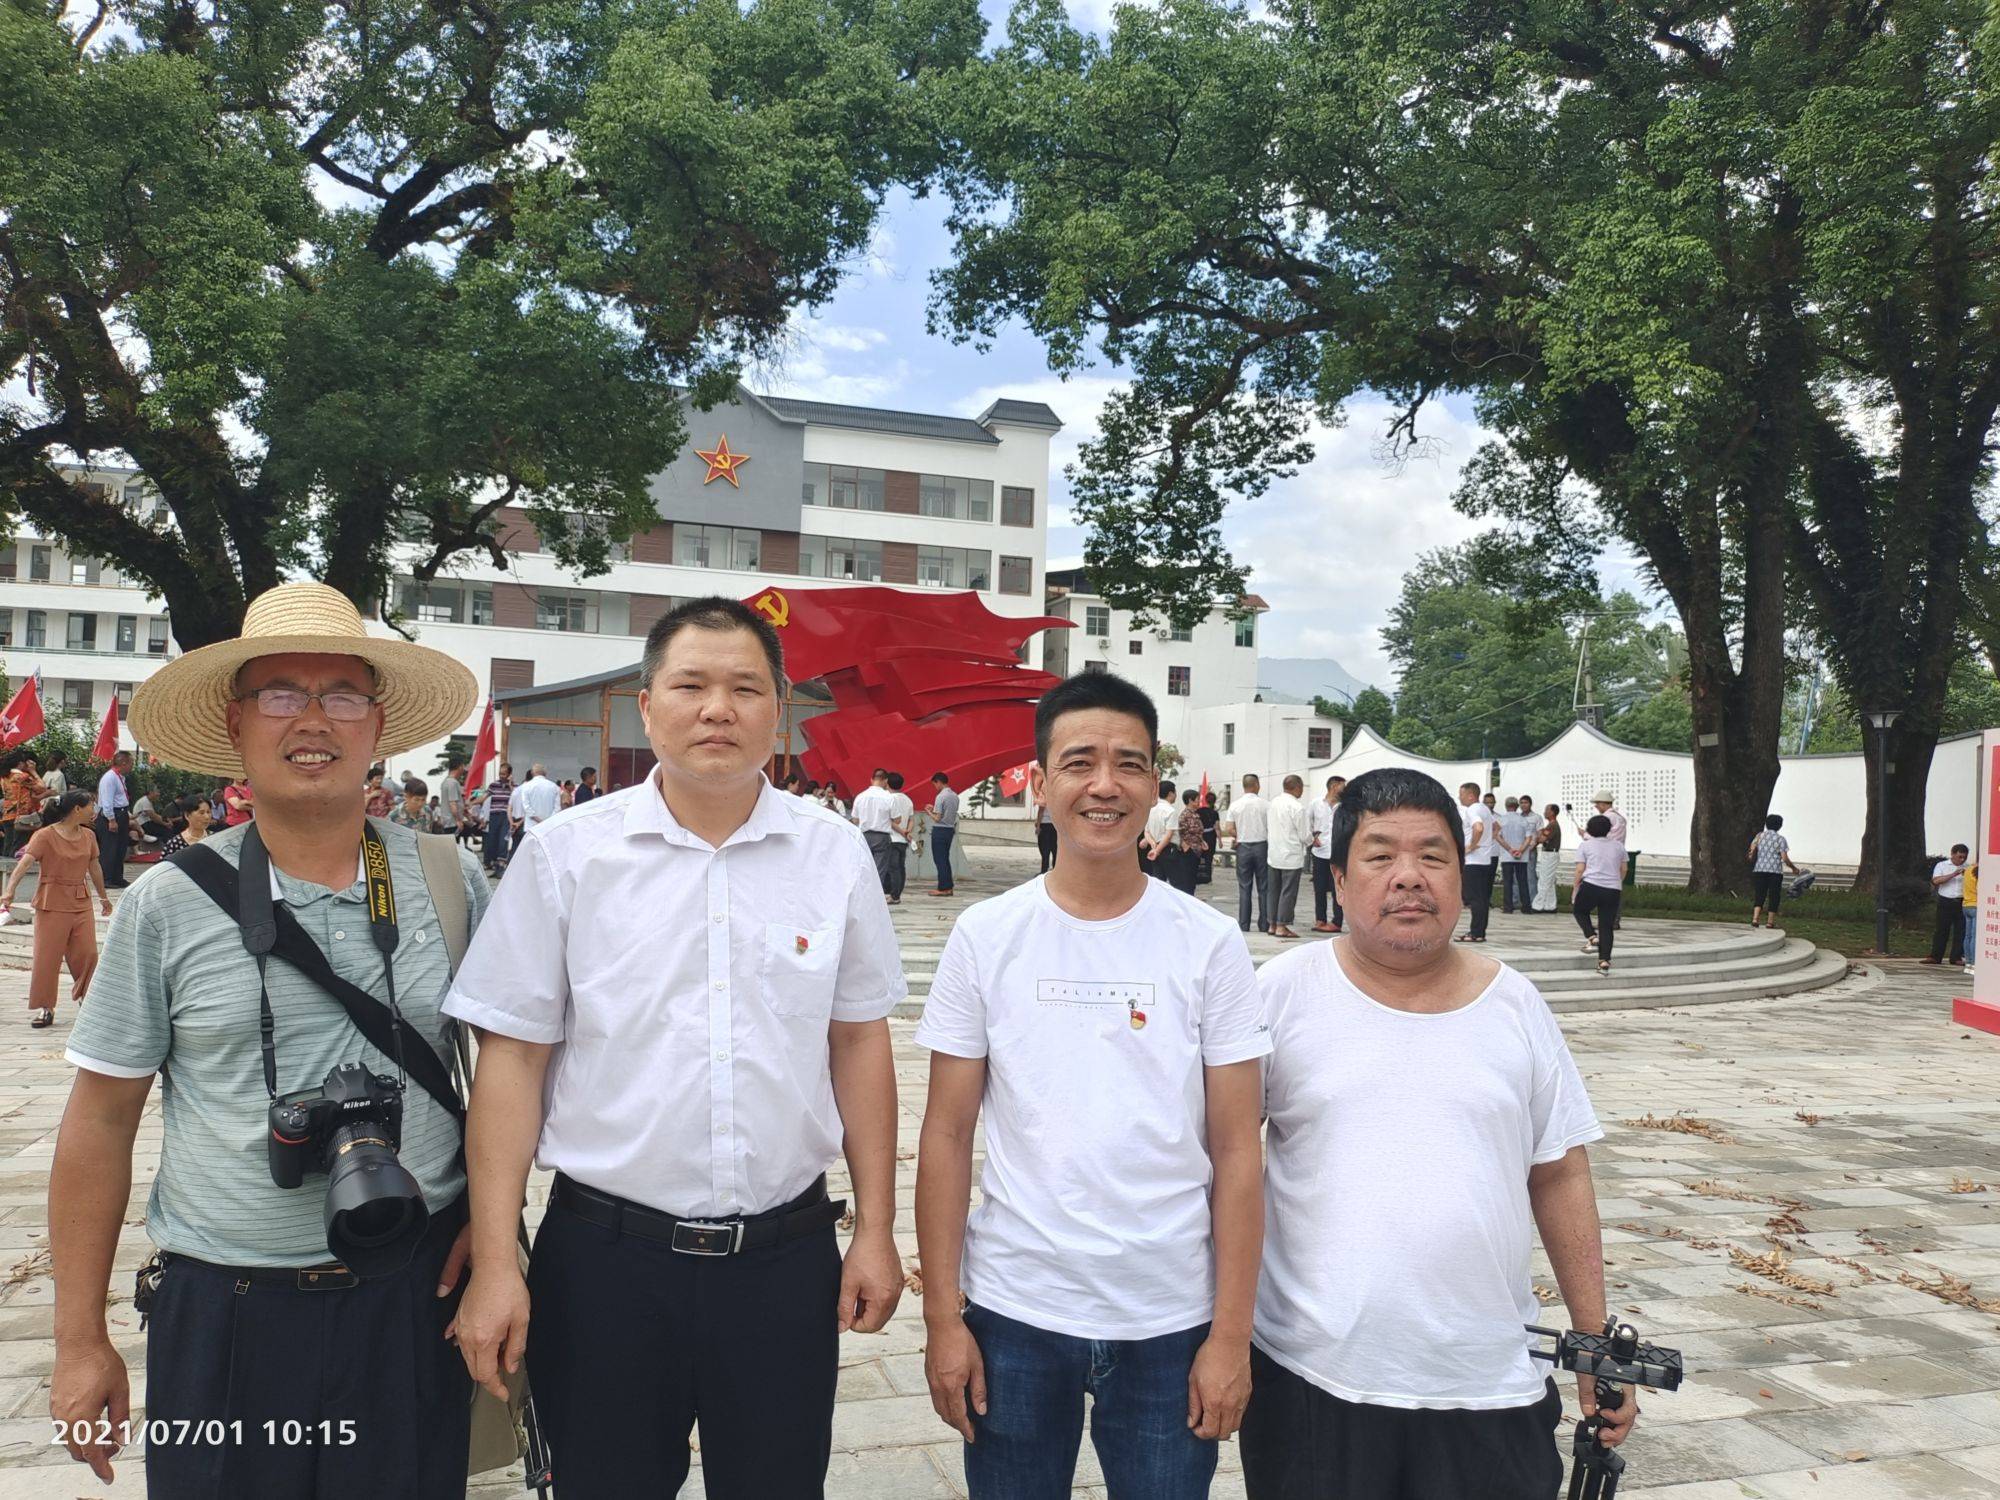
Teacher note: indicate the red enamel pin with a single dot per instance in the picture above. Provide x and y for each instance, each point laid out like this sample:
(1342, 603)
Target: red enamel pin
(802, 943)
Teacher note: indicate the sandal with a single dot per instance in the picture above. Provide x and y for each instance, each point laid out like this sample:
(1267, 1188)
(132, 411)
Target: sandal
(43, 1018)
(1604, 966)
(1589, 945)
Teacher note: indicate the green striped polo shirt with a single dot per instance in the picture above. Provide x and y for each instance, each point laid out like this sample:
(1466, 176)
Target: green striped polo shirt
(176, 994)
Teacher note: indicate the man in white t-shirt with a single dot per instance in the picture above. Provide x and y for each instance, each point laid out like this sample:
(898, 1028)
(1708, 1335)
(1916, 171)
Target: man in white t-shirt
(1948, 885)
(1159, 846)
(873, 811)
(902, 820)
(1390, 1356)
(1322, 844)
(1108, 1028)
(1291, 841)
(1479, 830)
(1249, 823)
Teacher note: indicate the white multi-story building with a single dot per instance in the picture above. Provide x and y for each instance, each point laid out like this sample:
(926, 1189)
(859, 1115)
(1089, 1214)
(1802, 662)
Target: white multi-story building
(1203, 679)
(768, 491)
(91, 632)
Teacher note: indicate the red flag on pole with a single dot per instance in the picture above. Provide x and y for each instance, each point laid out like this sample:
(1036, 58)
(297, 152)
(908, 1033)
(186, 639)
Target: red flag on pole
(106, 744)
(1204, 786)
(22, 718)
(483, 751)
(1014, 780)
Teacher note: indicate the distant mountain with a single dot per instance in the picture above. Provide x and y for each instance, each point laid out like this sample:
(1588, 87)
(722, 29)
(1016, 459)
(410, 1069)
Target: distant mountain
(1299, 679)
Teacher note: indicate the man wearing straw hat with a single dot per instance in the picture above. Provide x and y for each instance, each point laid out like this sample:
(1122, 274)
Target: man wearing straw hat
(271, 1369)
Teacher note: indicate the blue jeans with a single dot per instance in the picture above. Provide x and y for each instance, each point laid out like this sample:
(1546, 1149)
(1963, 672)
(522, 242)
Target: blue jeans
(941, 855)
(1035, 1383)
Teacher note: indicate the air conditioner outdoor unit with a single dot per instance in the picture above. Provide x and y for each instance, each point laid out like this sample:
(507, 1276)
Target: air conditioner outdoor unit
(1104, 643)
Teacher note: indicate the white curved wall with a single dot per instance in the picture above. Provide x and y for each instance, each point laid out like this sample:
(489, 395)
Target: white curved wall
(1822, 798)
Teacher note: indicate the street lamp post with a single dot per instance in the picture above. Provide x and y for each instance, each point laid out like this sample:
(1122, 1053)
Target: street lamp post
(1882, 721)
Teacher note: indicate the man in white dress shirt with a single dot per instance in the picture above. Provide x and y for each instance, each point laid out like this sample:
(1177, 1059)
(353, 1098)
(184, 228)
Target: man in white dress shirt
(874, 809)
(1478, 829)
(534, 802)
(683, 1011)
(1291, 838)
(1249, 823)
(1324, 895)
(1159, 848)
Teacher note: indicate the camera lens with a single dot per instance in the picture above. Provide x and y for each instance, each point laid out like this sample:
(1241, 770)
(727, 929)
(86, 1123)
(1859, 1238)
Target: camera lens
(375, 1212)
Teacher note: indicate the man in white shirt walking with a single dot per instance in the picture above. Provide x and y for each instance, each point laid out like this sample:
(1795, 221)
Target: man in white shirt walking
(902, 819)
(1948, 884)
(1477, 831)
(1390, 1358)
(872, 812)
(1322, 847)
(1291, 838)
(714, 965)
(534, 802)
(1249, 823)
(1106, 1026)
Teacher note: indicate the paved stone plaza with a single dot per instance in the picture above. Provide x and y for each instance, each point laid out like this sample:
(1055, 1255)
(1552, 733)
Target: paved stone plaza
(1818, 1231)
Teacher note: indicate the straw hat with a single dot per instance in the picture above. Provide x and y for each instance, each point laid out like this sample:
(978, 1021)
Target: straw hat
(180, 713)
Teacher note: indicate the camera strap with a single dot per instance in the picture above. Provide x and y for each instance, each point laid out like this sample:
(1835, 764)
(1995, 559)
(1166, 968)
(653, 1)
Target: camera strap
(269, 928)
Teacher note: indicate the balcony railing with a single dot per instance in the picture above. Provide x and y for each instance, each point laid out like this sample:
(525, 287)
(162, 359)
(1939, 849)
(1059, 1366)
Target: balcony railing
(97, 653)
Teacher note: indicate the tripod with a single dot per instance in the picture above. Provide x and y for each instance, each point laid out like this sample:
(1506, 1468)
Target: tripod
(1615, 1357)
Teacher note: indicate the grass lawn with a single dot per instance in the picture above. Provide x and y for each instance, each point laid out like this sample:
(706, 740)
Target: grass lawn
(1843, 921)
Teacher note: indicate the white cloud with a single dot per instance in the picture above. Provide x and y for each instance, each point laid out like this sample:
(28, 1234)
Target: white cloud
(824, 361)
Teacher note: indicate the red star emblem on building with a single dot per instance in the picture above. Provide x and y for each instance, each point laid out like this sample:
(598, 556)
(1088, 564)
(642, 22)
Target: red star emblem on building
(722, 464)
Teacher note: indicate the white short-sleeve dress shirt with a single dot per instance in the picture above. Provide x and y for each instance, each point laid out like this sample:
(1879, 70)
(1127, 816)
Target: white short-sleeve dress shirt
(1252, 817)
(1322, 828)
(689, 989)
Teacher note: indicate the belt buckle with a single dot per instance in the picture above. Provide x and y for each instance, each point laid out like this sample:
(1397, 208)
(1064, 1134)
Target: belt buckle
(708, 1237)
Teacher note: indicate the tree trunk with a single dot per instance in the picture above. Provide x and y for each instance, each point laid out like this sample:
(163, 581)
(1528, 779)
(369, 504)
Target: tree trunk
(1735, 766)
(1900, 801)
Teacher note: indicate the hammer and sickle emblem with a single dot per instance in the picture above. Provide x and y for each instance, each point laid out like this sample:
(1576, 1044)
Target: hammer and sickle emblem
(774, 607)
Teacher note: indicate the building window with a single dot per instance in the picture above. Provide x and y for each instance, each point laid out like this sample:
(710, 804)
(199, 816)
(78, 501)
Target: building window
(846, 558)
(38, 628)
(123, 690)
(736, 547)
(156, 636)
(6, 627)
(1017, 575)
(1246, 631)
(954, 498)
(1017, 506)
(1097, 666)
(128, 632)
(82, 632)
(1178, 684)
(1135, 648)
(1180, 632)
(84, 570)
(40, 560)
(479, 606)
(954, 568)
(78, 697)
(1097, 619)
(562, 611)
(1319, 744)
(1228, 739)
(842, 486)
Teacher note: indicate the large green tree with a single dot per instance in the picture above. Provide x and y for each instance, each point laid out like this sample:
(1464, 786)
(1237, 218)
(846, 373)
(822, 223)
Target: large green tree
(342, 278)
(1672, 249)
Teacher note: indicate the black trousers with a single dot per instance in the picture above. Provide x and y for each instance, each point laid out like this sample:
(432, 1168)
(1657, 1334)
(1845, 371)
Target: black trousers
(1477, 887)
(369, 1360)
(634, 1343)
(1949, 930)
(1045, 840)
(1603, 903)
(1517, 891)
(1324, 900)
(114, 837)
(1301, 1443)
(882, 847)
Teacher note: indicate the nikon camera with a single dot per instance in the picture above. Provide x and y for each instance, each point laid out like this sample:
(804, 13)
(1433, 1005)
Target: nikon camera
(349, 1128)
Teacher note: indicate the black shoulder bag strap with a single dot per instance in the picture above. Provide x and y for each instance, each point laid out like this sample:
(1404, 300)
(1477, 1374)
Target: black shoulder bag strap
(269, 928)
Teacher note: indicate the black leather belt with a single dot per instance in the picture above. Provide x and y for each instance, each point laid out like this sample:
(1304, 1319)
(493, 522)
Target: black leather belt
(330, 1276)
(811, 1210)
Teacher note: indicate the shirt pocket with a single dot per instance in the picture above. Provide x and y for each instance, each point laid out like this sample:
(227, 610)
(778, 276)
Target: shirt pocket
(800, 968)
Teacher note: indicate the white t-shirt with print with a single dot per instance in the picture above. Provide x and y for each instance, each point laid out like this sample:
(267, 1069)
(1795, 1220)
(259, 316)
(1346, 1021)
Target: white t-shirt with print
(1397, 1229)
(1093, 1219)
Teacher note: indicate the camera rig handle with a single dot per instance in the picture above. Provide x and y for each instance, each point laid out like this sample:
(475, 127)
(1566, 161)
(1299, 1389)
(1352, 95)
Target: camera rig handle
(1614, 1357)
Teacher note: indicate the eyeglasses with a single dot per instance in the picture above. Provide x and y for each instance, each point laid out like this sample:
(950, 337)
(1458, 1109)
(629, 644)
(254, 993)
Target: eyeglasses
(289, 703)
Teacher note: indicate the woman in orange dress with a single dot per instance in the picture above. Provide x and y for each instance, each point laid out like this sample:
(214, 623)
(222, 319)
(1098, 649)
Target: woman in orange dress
(66, 849)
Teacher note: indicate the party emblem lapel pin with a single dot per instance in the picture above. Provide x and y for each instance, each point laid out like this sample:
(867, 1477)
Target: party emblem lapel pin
(800, 940)
(1138, 1016)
